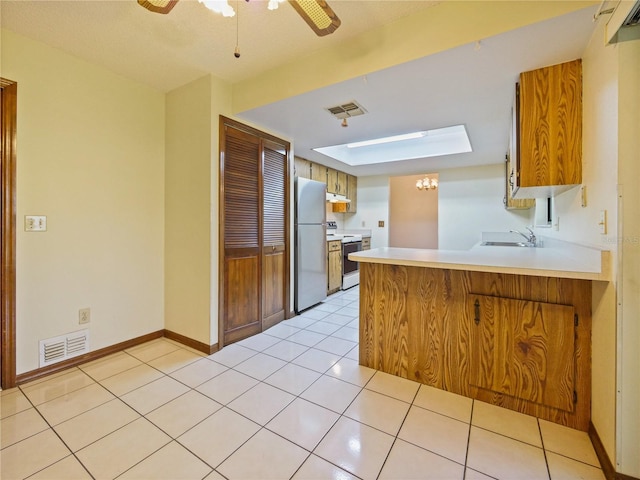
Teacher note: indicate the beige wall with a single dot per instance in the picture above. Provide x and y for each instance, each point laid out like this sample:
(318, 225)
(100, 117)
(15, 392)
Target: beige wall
(91, 158)
(443, 26)
(577, 223)
(191, 207)
(629, 243)
(413, 214)
(187, 210)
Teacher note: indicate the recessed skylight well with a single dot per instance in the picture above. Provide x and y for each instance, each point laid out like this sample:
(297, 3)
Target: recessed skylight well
(427, 143)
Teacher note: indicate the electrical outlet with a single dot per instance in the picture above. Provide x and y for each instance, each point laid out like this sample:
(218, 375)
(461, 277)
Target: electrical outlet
(84, 315)
(380, 223)
(363, 223)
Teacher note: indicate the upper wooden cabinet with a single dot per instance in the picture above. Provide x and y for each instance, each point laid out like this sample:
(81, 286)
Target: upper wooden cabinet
(549, 130)
(301, 167)
(336, 182)
(511, 203)
(318, 172)
(352, 193)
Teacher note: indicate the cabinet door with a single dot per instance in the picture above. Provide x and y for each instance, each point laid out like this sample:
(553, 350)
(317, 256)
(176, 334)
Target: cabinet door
(301, 167)
(511, 203)
(332, 181)
(335, 269)
(352, 193)
(341, 184)
(318, 172)
(274, 233)
(241, 312)
(550, 126)
(523, 349)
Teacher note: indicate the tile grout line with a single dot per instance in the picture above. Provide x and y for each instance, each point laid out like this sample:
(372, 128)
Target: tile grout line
(53, 430)
(544, 450)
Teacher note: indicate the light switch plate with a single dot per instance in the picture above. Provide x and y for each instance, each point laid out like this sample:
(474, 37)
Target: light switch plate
(35, 223)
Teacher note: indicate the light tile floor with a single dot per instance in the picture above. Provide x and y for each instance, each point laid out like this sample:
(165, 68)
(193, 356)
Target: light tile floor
(291, 402)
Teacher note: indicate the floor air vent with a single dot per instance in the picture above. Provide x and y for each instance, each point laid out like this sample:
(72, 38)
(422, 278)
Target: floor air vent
(346, 110)
(53, 350)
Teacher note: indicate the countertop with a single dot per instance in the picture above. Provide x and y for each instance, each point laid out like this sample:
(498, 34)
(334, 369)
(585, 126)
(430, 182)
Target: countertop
(555, 259)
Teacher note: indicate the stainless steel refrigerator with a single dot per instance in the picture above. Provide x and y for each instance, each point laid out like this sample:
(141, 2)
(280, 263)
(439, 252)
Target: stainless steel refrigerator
(311, 243)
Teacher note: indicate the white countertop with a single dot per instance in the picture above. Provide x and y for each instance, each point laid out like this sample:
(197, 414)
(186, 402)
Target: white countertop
(555, 259)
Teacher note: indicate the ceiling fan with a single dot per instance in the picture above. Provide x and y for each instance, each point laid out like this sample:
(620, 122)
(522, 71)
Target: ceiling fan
(317, 13)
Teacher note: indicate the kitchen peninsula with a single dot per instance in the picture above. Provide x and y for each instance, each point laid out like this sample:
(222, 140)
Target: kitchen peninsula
(506, 325)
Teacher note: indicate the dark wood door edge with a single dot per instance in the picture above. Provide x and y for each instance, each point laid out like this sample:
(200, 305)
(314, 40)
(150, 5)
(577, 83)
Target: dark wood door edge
(8, 237)
(190, 342)
(605, 462)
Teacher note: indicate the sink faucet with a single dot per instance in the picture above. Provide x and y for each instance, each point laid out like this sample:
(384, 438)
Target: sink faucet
(531, 238)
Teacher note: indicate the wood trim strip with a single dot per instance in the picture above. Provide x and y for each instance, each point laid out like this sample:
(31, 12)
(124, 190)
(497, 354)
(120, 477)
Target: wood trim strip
(605, 462)
(87, 357)
(190, 342)
(601, 453)
(8, 236)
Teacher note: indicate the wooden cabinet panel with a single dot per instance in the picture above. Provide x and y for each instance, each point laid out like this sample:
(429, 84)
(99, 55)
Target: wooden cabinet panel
(366, 243)
(301, 167)
(511, 203)
(332, 181)
(318, 172)
(341, 183)
(352, 193)
(550, 126)
(417, 323)
(242, 296)
(523, 349)
(274, 231)
(273, 288)
(334, 266)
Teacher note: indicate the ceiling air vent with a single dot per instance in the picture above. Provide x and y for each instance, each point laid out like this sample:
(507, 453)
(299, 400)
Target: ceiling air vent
(349, 109)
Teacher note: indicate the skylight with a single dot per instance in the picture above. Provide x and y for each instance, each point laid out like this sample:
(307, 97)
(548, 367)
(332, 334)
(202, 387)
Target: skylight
(427, 143)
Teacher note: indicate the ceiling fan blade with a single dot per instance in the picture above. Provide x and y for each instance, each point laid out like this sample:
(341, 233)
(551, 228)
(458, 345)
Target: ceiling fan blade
(158, 6)
(318, 15)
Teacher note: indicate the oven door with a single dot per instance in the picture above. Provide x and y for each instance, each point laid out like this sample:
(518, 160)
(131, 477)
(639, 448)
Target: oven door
(349, 266)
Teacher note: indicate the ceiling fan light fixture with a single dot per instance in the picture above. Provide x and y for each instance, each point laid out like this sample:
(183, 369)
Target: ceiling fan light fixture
(274, 4)
(158, 6)
(219, 6)
(318, 15)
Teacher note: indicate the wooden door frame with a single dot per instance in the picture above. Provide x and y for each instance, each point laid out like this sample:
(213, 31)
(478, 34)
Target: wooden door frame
(8, 237)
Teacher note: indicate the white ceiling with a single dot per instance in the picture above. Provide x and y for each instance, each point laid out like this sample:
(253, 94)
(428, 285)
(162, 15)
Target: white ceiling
(471, 85)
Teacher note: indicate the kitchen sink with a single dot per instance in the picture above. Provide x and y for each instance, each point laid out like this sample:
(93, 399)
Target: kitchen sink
(507, 244)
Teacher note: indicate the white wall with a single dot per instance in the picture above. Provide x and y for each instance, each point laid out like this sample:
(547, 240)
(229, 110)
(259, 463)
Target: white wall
(629, 244)
(91, 158)
(373, 206)
(413, 214)
(470, 201)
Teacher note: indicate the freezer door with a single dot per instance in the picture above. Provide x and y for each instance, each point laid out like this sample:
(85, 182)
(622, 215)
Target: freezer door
(311, 266)
(311, 201)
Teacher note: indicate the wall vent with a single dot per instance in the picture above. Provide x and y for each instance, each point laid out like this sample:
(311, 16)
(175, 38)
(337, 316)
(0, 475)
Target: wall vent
(54, 350)
(346, 110)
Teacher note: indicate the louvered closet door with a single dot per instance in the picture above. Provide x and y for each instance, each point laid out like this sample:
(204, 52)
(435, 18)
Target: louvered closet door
(274, 226)
(241, 313)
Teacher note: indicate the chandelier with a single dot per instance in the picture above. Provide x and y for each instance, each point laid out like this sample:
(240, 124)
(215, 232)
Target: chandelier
(427, 183)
